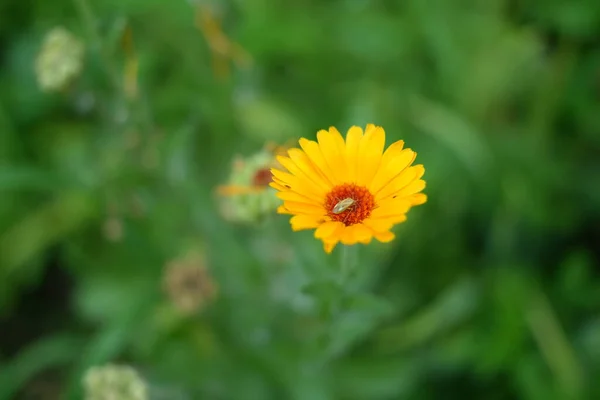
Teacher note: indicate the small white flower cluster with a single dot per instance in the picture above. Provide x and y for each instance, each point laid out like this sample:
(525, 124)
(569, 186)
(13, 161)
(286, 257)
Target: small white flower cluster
(114, 382)
(59, 61)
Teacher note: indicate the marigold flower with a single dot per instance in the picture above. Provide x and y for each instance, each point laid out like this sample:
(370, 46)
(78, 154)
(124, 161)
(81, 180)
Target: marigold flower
(349, 191)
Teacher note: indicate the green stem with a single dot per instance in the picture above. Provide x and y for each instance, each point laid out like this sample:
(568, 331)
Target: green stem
(347, 263)
(554, 345)
(347, 260)
(344, 274)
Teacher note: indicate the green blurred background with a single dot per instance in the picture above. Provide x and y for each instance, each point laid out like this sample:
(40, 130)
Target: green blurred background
(107, 182)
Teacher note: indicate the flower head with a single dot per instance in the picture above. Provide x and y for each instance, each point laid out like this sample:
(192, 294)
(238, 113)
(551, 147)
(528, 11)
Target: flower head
(188, 283)
(350, 191)
(114, 382)
(247, 197)
(60, 59)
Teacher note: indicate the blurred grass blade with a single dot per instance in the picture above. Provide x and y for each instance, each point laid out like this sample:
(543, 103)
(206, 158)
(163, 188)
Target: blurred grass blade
(555, 346)
(52, 351)
(456, 133)
(44, 227)
(453, 307)
(377, 378)
(19, 178)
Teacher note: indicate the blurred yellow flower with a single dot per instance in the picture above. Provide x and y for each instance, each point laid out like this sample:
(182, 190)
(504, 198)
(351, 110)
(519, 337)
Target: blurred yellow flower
(349, 191)
(247, 196)
(223, 48)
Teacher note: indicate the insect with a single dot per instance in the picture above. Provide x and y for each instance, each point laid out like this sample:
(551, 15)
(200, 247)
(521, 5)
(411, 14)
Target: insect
(343, 205)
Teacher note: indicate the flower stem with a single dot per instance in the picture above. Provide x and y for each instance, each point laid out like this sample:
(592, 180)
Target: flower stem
(347, 260)
(344, 274)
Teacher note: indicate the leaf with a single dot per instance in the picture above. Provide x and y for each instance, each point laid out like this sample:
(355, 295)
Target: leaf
(44, 227)
(358, 317)
(450, 309)
(28, 178)
(39, 230)
(376, 378)
(53, 351)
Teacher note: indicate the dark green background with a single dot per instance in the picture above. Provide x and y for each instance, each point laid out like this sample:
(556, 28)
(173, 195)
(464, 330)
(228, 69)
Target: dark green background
(491, 290)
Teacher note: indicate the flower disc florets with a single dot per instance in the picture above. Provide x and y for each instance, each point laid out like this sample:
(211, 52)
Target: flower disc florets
(360, 205)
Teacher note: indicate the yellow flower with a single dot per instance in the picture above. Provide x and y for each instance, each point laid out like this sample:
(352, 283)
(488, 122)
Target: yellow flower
(349, 191)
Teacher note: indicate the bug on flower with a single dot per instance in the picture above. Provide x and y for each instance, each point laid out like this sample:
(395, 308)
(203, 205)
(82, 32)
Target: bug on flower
(343, 205)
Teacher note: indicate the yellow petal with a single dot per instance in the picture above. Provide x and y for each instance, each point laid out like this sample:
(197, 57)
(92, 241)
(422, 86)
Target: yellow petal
(291, 179)
(283, 210)
(417, 199)
(235, 190)
(329, 246)
(303, 186)
(369, 154)
(328, 229)
(357, 233)
(394, 161)
(300, 222)
(341, 148)
(347, 236)
(393, 152)
(391, 207)
(304, 208)
(378, 224)
(412, 188)
(278, 186)
(294, 196)
(385, 237)
(399, 182)
(361, 233)
(367, 240)
(337, 136)
(303, 162)
(330, 149)
(304, 177)
(313, 152)
(282, 176)
(281, 184)
(353, 138)
(398, 219)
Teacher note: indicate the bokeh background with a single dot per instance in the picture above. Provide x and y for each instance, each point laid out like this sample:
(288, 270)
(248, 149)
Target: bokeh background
(120, 119)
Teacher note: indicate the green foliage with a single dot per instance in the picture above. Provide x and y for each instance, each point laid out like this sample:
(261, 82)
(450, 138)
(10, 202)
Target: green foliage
(490, 290)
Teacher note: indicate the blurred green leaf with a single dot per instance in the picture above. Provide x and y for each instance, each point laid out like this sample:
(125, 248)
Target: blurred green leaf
(372, 378)
(44, 227)
(102, 189)
(54, 351)
(452, 308)
(27, 178)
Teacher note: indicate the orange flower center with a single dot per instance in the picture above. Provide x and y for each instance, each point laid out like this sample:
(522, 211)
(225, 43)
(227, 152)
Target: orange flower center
(349, 203)
(262, 177)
